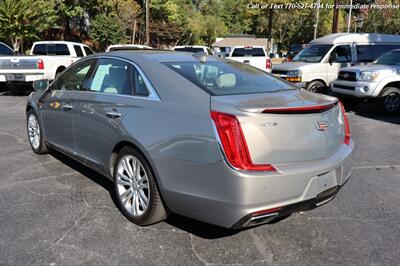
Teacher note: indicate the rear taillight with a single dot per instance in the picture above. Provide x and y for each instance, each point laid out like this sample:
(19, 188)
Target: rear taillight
(268, 64)
(234, 143)
(40, 64)
(346, 124)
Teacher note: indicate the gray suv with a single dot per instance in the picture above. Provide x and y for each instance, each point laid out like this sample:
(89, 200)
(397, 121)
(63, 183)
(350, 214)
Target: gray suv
(211, 139)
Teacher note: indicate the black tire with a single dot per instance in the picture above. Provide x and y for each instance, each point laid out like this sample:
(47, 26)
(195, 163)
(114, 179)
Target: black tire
(316, 86)
(41, 148)
(155, 211)
(390, 102)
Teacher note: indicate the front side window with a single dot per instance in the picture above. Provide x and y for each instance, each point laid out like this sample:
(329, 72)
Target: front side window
(78, 51)
(342, 54)
(111, 76)
(228, 77)
(74, 77)
(313, 53)
(246, 52)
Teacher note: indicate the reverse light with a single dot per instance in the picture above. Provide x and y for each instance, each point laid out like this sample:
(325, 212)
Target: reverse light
(346, 124)
(40, 64)
(234, 143)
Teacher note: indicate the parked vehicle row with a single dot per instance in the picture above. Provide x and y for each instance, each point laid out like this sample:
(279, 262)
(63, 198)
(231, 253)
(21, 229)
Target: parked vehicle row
(324, 63)
(220, 146)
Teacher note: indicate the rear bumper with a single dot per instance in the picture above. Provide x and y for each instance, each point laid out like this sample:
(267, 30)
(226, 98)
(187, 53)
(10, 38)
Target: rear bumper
(21, 77)
(225, 197)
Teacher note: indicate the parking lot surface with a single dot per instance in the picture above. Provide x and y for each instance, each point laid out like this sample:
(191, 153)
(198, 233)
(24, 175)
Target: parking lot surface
(55, 211)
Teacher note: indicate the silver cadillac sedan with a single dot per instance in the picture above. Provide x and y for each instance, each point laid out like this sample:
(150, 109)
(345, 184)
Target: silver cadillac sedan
(204, 137)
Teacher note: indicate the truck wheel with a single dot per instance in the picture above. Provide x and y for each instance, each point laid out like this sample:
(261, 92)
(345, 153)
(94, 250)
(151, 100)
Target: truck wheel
(316, 86)
(390, 103)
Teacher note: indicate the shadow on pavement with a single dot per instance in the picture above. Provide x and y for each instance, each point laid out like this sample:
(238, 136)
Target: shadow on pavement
(194, 227)
(370, 110)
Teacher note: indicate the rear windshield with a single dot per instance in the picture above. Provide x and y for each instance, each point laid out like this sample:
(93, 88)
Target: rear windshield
(245, 52)
(228, 77)
(189, 49)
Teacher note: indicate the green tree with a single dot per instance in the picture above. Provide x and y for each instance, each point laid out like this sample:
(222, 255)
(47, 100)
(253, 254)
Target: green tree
(22, 20)
(106, 30)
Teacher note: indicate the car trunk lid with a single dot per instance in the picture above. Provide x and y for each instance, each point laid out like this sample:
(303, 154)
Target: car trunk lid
(286, 127)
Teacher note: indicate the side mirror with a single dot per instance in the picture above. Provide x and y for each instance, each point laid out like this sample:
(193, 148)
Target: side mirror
(41, 85)
(332, 58)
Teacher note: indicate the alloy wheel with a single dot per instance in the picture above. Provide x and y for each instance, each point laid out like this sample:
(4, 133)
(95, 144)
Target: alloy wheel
(34, 131)
(132, 185)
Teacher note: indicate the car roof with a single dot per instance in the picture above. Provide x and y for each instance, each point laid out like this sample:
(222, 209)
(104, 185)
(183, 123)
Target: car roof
(356, 38)
(59, 42)
(191, 46)
(158, 55)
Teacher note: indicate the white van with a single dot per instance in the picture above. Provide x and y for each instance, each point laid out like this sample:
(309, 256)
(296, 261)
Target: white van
(315, 67)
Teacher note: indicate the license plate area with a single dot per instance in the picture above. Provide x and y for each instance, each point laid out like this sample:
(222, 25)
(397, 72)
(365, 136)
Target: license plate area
(15, 77)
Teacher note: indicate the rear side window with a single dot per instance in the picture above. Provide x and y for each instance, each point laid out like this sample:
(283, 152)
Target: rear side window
(245, 52)
(62, 49)
(78, 51)
(111, 76)
(370, 52)
(228, 77)
(365, 53)
(39, 49)
(4, 49)
(87, 50)
(139, 85)
(189, 49)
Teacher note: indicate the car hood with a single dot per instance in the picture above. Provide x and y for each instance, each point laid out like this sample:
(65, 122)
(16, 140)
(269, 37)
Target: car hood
(371, 67)
(291, 66)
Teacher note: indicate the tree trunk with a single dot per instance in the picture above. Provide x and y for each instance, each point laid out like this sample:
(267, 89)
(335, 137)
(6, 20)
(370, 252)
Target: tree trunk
(134, 31)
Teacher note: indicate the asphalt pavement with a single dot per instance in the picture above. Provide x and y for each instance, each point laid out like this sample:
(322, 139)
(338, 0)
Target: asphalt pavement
(54, 211)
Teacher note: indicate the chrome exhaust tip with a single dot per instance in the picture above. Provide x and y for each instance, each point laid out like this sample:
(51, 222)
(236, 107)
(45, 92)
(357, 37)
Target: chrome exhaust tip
(260, 219)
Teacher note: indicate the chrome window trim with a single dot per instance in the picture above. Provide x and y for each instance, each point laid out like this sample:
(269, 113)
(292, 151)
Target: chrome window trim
(153, 95)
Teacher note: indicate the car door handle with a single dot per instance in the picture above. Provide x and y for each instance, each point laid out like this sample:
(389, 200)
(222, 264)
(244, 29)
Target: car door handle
(67, 107)
(113, 114)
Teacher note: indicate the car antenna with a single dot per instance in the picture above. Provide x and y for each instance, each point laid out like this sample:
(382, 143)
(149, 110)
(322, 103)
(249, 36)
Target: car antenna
(202, 56)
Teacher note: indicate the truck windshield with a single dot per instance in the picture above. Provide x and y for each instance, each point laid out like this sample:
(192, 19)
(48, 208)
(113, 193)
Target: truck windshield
(313, 53)
(228, 77)
(391, 58)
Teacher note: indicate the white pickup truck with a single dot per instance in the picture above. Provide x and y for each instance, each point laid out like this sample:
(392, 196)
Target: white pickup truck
(255, 56)
(47, 59)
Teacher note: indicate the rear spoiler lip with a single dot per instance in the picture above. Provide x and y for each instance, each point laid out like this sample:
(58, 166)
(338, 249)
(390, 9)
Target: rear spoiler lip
(301, 109)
